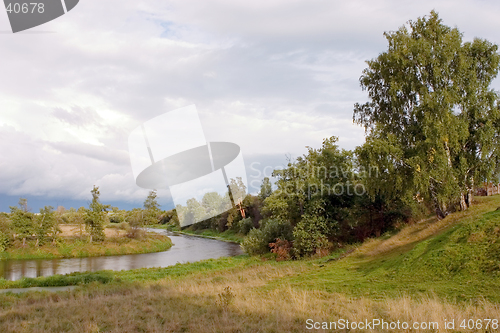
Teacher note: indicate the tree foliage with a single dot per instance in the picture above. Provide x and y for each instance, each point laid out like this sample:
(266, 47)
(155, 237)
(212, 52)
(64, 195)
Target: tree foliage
(151, 213)
(45, 225)
(432, 115)
(95, 217)
(265, 189)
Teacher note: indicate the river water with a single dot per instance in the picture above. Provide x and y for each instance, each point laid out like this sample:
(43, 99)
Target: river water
(185, 249)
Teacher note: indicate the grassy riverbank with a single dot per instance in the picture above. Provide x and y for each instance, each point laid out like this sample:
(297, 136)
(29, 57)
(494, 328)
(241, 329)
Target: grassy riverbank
(226, 236)
(68, 247)
(428, 272)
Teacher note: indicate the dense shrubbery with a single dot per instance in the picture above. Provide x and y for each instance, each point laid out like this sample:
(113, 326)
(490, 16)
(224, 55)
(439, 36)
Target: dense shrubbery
(244, 226)
(310, 235)
(257, 240)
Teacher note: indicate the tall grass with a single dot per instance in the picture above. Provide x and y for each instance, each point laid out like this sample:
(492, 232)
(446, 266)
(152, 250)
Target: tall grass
(386, 279)
(194, 305)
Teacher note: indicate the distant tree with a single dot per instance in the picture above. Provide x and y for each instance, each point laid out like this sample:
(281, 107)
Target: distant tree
(6, 232)
(23, 205)
(22, 223)
(78, 217)
(238, 189)
(191, 213)
(95, 217)
(213, 203)
(45, 225)
(136, 220)
(265, 189)
(151, 203)
(151, 214)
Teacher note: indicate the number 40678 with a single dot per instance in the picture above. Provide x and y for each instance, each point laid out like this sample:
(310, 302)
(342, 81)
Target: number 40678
(479, 324)
(32, 7)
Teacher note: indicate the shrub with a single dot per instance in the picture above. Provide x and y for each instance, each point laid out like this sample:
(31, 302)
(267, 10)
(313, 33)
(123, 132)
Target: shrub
(310, 235)
(255, 243)
(124, 226)
(257, 240)
(274, 229)
(245, 225)
(225, 298)
(282, 248)
(116, 218)
(4, 241)
(136, 233)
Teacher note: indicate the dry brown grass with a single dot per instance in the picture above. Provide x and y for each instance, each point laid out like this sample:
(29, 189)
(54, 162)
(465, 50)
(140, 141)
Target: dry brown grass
(191, 305)
(259, 299)
(74, 230)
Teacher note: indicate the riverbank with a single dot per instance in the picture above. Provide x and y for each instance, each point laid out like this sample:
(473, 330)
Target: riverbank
(68, 247)
(238, 294)
(431, 271)
(226, 236)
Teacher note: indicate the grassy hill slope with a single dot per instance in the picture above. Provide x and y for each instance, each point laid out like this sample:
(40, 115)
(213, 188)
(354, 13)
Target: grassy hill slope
(427, 272)
(457, 258)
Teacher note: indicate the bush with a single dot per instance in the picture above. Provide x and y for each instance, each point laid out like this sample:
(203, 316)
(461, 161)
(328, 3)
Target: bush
(257, 241)
(310, 235)
(124, 226)
(282, 249)
(116, 218)
(4, 241)
(245, 225)
(136, 233)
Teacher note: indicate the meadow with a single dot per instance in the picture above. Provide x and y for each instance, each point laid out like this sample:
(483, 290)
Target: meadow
(71, 244)
(428, 273)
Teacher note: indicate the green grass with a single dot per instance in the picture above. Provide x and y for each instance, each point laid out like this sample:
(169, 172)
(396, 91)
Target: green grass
(429, 271)
(226, 236)
(76, 248)
(458, 261)
(136, 275)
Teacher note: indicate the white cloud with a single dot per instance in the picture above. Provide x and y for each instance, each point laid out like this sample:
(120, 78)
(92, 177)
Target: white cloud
(272, 76)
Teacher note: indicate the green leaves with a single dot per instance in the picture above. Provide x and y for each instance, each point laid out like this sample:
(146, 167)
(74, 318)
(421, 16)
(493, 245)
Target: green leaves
(430, 100)
(95, 217)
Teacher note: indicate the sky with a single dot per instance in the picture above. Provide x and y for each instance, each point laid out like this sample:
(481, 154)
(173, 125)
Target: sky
(272, 76)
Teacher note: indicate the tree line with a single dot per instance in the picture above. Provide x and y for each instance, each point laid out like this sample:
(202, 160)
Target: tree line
(432, 127)
(21, 227)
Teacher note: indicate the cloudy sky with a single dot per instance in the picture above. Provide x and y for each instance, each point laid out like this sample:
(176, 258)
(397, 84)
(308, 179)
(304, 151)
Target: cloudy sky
(272, 76)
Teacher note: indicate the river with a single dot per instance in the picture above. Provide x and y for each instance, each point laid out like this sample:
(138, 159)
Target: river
(185, 249)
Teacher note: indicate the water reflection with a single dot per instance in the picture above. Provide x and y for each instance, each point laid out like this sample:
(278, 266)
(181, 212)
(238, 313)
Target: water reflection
(185, 249)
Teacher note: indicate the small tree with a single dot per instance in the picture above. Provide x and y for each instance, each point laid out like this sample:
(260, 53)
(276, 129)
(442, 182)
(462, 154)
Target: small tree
(78, 218)
(45, 225)
(265, 189)
(151, 209)
(136, 221)
(6, 232)
(95, 217)
(22, 220)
